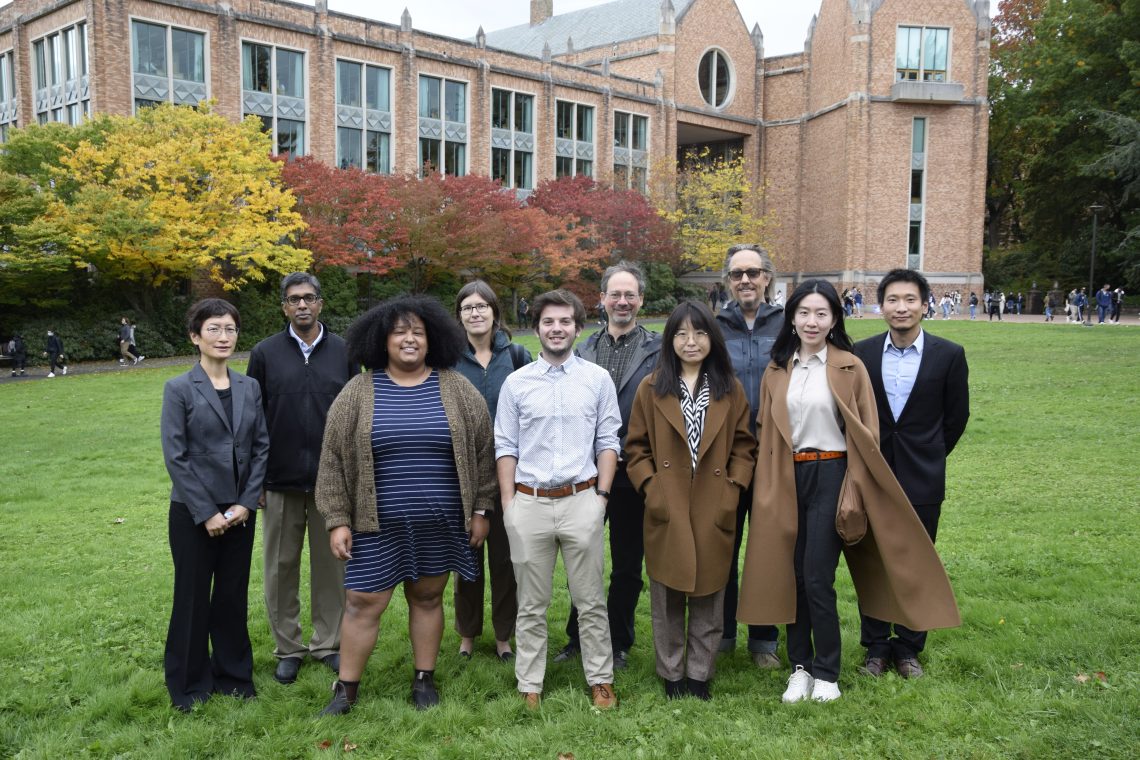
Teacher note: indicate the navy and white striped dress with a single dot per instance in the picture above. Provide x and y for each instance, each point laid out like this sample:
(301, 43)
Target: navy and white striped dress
(417, 492)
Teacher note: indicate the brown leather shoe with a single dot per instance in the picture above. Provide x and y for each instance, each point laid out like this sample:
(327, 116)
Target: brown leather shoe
(908, 667)
(532, 699)
(767, 660)
(604, 697)
(875, 666)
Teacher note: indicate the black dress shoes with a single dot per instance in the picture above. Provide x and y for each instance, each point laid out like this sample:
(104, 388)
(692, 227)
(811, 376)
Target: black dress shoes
(333, 661)
(424, 694)
(287, 668)
(676, 689)
(699, 689)
(344, 697)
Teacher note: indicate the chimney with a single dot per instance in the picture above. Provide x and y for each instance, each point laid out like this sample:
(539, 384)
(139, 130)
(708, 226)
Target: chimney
(540, 10)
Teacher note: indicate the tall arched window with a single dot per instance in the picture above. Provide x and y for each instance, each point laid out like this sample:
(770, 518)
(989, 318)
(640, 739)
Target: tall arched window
(715, 77)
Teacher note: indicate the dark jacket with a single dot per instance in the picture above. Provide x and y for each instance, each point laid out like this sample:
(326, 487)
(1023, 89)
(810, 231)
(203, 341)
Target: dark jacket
(296, 394)
(489, 380)
(640, 366)
(917, 443)
(213, 460)
(54, 346)
(750, 350)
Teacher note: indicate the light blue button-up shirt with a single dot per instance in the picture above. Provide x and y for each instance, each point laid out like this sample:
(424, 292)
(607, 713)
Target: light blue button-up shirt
(307, 348)
(556, 420)
(900, 368)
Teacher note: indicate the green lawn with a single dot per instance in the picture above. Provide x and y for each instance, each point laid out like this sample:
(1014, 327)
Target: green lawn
(1039, 534)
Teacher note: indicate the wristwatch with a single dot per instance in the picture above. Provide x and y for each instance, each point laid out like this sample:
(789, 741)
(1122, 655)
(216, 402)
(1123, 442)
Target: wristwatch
(602, 493)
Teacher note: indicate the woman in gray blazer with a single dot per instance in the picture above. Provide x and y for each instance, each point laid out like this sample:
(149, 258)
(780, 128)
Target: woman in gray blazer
(215, 445)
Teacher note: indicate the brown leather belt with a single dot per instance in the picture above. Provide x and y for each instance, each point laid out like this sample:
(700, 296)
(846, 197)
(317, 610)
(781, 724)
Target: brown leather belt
(556, 493)
(817, 456)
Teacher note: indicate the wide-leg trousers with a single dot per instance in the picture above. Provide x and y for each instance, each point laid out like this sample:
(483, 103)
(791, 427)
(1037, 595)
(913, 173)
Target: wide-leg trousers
(686, 648)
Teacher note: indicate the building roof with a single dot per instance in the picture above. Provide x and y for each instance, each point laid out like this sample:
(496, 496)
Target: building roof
(604, 24)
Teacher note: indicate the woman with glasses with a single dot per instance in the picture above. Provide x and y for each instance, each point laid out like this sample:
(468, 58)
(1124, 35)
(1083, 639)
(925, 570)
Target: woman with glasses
(486, 361)
(689, 451)
(405, 484)
(215, 445)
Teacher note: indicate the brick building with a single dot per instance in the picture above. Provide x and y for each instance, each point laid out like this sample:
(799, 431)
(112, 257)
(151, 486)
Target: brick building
(871, 142)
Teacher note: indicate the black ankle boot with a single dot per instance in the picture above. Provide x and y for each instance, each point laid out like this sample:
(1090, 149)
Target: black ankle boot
(699, 689)
(344, 697)
(676, 689)
(424, 694)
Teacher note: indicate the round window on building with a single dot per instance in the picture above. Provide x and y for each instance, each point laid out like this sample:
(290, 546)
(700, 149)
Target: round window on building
(715, 76)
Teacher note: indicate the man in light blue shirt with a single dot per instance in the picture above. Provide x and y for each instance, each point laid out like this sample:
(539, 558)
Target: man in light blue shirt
(900, 368)
(556, 443)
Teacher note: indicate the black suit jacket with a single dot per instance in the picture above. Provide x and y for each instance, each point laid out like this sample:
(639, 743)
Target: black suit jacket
(932, 421)
(204, 449)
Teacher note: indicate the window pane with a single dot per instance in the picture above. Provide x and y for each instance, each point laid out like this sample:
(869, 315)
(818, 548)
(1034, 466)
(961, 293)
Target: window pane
(523, 179)
(705, 76)
(918, 142)
(621, 177)
(81, 38)
(377, 158)
(377, 97)
(935, 50)
(189, 55)
(55, 61)
(916, 186)
(455, 102)
(723, 80)
(640, 132)
(290, 74)
(70, 63)
(348, 148)
(501, 165)
(41, 66)
(914, 47)
(565, 121)
(347, 84)
(429, 154)
(585, 168)
(640, 180)
(914, 246)
(150, 49)
(563, 166)
(455, 159)
(255, 67)
(140, 104)
(3, 78)
(585, 124)
(524, 113)
(429, 99)
(290, 137)
(621, 130)
(500, 109)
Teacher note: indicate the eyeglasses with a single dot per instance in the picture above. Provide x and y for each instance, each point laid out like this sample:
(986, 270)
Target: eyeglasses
(631, 297)
(736, 275)
(478, 308)
(309, 298)
(682, 336)
(216, 332)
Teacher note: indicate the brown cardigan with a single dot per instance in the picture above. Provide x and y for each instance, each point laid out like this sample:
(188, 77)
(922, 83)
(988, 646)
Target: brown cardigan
(897, 574)
(346, 490)
(690, 517)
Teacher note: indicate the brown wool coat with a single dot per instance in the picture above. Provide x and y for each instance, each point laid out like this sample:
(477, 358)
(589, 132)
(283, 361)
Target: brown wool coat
(346, 490)
(897, 573)
(690, 519)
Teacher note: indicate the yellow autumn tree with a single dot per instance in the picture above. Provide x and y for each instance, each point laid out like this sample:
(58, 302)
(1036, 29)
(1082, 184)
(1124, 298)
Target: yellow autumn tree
(713, 205)
(176, 191)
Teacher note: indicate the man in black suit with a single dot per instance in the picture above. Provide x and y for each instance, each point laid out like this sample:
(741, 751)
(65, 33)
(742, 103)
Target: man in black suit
(923, 396)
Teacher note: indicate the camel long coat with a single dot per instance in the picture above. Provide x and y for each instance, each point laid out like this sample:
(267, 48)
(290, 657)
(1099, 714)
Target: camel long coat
(897, 573)
(690, 518)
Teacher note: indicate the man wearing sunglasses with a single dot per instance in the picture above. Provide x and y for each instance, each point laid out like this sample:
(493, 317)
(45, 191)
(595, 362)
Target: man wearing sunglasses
(301, 370)
(750, 324)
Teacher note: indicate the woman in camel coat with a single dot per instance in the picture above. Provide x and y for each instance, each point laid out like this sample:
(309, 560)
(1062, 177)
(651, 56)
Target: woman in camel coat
(690, 452)
(896, 571)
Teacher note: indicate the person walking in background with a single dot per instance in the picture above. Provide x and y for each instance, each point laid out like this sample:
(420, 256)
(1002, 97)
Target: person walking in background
(405, 483)
(300, 370)
(995, 307)
(1117, 303)
(556, 439)
(692, 409)
(858, 296)
(127, 350)
(487, 360)
(1104, 304)
(215, 446)
(819, 461)
(18, 350)
(1081, 302)
(628, 352)
(973, 305)
(947, 304)
(53, 350)
(750, 326)
(922, 393)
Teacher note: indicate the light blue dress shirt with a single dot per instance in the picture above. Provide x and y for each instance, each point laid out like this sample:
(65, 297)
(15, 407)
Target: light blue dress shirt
(900, 368)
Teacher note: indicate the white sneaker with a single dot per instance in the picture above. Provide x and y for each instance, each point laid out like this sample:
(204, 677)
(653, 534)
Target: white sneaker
(65, 370)
(799, 686)
(51, 374)
(141, 357)
(825, 691)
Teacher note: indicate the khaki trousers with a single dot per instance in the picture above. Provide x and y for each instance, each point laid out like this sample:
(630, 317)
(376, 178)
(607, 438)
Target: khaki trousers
(685, 650)
(537, 528)
(284, 521)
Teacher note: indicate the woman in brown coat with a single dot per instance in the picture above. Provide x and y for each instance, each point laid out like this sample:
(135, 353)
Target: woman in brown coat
(689, 451)
(818, 438)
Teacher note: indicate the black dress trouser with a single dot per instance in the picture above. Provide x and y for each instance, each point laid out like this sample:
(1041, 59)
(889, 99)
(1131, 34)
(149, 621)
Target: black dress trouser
(211, 585)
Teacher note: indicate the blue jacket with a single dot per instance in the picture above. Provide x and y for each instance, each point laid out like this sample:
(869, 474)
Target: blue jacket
(488, 381)
(750, 350)
(1104, 299)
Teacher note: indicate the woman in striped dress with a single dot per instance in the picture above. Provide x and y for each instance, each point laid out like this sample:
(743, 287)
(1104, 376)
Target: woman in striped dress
(406, 478)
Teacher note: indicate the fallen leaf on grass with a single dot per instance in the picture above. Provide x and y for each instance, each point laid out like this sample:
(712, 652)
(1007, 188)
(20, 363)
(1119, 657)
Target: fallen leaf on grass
(349, 746)
(1081, 678)
(565, 756)
(119, 521)
(325, 744)
(1018, 665)
(1001, 621)
(1100, 676)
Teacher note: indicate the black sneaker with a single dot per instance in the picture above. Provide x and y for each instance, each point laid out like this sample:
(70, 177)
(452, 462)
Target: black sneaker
(621, 659)
(340, 703)
(424, 694)
(567, 653)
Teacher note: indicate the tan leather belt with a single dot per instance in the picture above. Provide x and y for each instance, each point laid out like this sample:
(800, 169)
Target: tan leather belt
(817, 456)
(556, 493)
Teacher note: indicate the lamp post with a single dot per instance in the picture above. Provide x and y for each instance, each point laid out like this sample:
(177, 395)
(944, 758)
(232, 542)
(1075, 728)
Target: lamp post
(1096, 208)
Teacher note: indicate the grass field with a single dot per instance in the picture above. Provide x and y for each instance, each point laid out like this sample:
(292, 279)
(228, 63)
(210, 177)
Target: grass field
(1039, 533)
